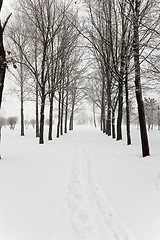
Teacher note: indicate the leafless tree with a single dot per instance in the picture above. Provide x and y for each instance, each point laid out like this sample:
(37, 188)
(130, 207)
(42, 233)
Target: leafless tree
(3, 62)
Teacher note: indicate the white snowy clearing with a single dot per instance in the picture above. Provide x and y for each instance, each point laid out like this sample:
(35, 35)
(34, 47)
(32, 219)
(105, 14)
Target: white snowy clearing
(83, 185)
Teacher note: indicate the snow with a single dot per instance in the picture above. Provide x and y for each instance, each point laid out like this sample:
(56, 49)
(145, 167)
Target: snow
(83, 185)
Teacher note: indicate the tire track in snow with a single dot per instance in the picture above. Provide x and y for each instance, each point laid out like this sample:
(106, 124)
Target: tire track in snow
(91, 213)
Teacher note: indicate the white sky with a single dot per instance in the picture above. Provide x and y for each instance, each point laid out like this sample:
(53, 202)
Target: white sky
(6, 8)
(9, 104)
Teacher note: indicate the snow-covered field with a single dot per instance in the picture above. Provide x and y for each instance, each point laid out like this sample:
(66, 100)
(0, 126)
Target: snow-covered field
(83, 185)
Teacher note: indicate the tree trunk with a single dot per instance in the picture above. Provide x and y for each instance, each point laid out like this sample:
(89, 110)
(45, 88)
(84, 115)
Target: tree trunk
(71, 117)
(71, 122)
(59, 114)
(120, 112)
(113, 124)
(121, 79)
(101, 126)
(94, 115)
(22, 115)
(103, 107)
(108, 75)
(141, 112)
(41, 138)
(37, 111)
(66, 113)
(72, 112)
(62, 113)
(53, 79)
(127, 108)
(2, 64)
(108, 121)
(50, 117)
(22, 95)
(158, 119)
(36, 79)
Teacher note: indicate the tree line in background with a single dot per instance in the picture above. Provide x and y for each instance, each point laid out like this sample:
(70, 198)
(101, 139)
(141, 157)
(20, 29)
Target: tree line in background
(108, 56)
(123, 39)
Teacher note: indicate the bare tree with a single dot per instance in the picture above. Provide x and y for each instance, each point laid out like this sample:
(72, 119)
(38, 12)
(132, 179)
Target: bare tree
(3, 63)
(136, 5)
(19, 46)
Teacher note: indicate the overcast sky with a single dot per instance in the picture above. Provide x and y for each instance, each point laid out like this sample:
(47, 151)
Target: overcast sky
(6, 8)
(10, 104)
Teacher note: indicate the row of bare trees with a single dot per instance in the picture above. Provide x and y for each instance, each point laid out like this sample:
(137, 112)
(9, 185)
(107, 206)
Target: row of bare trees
(123, 36)
(43, 44)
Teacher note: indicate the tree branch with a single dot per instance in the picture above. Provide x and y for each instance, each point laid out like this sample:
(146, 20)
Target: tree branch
(5, 23)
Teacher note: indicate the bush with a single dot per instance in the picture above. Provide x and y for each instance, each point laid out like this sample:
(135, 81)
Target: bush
(2, 122)
(33, 122)
(26, 123)
(11, 121)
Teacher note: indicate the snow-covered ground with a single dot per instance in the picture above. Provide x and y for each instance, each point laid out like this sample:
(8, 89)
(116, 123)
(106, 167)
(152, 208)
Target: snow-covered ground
(83, 185)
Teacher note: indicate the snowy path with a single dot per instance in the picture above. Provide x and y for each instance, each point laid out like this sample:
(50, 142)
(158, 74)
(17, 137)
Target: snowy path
(83, 186)
(92, 215)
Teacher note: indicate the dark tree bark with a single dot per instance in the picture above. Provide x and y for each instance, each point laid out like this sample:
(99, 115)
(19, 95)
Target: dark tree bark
(66, 112)
(41, 137)
(72, 115)
(71, 122)
(22, 94)
(2, 55)
(51, 98)
(50, 117)
(120, 112)
(158, 119)
(62, 111)
(94, 115)
(121, 78)
(127, 108)
(37, 110)
(44, 77)
(113, 124)
(108, 122)
(2, 62)
(52, 93)
(103, 121)
(1, 2)
(2, 59)
(114, 106)
(59, 114)
(36, 82)
(22, 114)
(141, 112)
